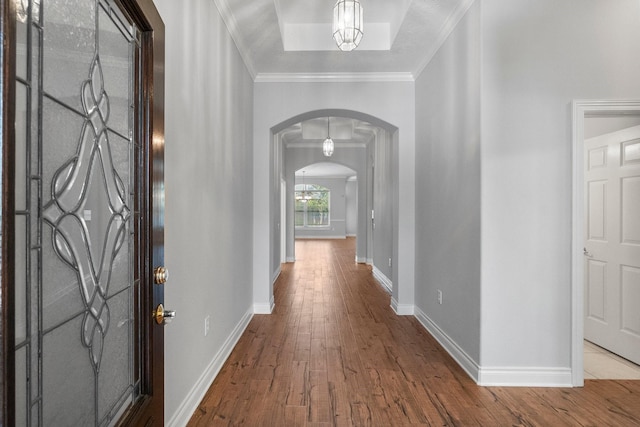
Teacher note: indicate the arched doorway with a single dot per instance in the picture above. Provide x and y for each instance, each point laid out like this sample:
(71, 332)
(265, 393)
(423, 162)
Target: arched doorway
(364, 144)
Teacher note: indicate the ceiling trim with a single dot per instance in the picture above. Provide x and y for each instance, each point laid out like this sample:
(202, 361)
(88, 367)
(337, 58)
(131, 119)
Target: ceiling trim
(318, 144)
(332, 77)
(331, 176)
(445, 31)
(232, 27)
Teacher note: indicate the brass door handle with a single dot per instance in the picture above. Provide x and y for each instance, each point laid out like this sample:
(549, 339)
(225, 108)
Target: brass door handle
(163, 316)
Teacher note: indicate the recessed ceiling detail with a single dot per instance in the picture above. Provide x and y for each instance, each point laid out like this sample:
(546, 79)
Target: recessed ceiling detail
(306, 25)
(339, 128)
(294, 37)
(344, 131)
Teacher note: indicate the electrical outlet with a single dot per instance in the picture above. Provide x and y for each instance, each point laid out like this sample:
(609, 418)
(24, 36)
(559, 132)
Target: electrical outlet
(389, 262)
(439, 296)
(206, 325)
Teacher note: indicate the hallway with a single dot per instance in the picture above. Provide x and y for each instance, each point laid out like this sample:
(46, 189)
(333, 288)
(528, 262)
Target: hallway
(334, 353)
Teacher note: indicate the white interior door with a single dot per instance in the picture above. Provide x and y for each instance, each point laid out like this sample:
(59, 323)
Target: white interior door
(612, 242)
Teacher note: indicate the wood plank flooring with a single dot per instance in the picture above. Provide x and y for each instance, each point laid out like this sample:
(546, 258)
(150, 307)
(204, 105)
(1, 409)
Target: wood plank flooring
(333, 353)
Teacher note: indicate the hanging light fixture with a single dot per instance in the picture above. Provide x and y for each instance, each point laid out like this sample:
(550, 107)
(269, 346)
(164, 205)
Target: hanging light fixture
(347, 24)
(303, 195)
(327, 145)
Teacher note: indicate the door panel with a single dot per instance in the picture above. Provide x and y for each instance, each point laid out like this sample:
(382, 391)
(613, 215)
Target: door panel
(596, 276)
(88, 219)
(612, 236)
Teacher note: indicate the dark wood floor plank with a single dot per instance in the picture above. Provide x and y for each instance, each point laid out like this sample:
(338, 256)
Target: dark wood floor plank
(319, 398)
(333, 353)
(298, 393)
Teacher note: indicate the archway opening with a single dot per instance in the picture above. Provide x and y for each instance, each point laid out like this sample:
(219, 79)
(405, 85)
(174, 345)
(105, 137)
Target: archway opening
(361, 175)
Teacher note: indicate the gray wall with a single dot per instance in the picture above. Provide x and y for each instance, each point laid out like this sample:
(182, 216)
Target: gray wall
(493, 175)
(208, 166)
(383, 204)
(448, 187)
(351, 216)
(538, 56)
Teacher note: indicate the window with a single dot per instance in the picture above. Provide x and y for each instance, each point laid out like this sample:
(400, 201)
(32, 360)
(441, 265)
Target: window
(312, 205)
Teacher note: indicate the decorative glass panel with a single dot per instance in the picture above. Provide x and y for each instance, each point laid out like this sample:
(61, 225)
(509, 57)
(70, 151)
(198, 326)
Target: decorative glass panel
(74, 232)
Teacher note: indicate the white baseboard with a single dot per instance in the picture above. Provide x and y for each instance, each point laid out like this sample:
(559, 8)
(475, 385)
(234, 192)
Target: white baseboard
(459, 355)
(386, 283)
(497, 376)
(291, 259)
(324, 236)
(361, 260)
(190, 403)
(259, 308)
(276, 274)
(525, 377)
(402, 309)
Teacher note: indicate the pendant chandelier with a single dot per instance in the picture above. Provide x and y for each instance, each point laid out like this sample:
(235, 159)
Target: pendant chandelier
(303, 195)
(327, 145)
(347, 24)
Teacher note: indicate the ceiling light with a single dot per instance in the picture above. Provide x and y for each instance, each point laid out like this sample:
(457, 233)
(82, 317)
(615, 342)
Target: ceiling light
(327, 145)
(347, 24)
(303, 196)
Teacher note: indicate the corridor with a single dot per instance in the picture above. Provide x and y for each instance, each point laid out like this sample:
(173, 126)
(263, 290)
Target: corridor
(334, 353)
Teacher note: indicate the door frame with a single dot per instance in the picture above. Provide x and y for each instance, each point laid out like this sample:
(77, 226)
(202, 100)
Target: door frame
(582, 109)
(150, 409)
(7, 141)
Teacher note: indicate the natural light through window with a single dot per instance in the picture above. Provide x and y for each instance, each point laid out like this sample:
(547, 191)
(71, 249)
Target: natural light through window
(312, 205)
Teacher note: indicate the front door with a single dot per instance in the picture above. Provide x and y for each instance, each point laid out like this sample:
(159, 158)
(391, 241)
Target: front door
(88, 207)
(612, 242)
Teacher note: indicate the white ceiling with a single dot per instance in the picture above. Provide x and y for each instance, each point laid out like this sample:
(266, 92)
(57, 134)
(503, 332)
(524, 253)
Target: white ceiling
(289, 40)
(342, 130)
(293, 37)
(326, 169)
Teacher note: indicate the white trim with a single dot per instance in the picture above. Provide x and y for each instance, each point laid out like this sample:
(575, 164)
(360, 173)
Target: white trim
(580, 109)
(386, 283)
(524, 377)
(276, 274)
(260, 308)
(465, 361)
(190, 403)
(362, 260)
(402, 309)
(319, 237)
(236, 35)
(318, 144)
(445, 31)
(291, 259)
(332, 77)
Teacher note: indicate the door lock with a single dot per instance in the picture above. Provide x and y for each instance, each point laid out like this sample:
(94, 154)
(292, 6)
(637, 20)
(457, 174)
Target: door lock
(163, 316)
(160, 275)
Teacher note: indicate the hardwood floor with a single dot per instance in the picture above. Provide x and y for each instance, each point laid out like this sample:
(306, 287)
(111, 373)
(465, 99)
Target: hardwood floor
(333, 353)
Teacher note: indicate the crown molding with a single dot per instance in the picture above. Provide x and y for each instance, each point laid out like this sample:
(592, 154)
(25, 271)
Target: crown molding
(445, 31)
(232, 27)
(318, 144)
(333, 77)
